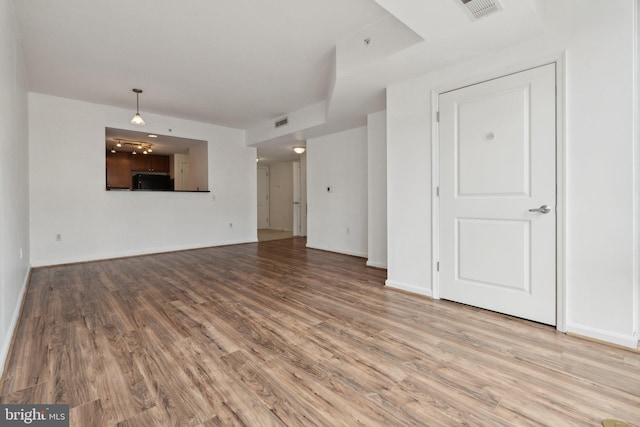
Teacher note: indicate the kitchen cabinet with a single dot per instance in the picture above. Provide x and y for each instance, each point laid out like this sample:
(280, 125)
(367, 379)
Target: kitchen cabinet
(118, 170)
(160, 163)
(149, 163)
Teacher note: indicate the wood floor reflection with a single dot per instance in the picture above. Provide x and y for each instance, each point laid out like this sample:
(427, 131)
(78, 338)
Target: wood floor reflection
(265, 235)
(275, 334)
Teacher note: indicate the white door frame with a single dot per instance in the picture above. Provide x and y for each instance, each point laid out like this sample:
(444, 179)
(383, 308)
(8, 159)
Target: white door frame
(268, 199)
(297, 205)
(559, 61)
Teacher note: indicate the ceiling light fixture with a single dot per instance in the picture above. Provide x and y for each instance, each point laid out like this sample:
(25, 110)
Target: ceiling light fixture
(151, 135)
(134, 146)
(299, 150)
(137, 119)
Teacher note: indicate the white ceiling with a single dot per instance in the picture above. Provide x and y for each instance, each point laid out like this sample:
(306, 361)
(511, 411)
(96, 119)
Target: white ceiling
(244, 63)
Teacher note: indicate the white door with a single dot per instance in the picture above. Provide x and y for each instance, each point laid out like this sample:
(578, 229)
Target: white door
(497, 235)
(297, 207)
(263, 198)
(185, 176)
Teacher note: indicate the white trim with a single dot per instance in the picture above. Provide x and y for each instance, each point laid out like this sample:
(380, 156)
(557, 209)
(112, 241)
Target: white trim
(338, 251)
(599, 334)
(636, 175)
(508, 69)
(131, 253)
(6, 345)
(560, 63)
(374, 264)
(435, 200)
(408, 288)
(561, 195)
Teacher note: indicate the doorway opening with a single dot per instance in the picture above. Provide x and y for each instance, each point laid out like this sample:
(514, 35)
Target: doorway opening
(282, 207)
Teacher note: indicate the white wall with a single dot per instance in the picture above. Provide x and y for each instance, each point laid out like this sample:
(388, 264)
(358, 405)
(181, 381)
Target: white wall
(408, 186)
(14, 178)
(598, 44)
(281, 196)
(636, 114)
(337, 220)
(377, 189)
(67, 182)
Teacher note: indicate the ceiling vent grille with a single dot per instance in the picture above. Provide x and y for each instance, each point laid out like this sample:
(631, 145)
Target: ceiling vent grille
(282, 122)
(479, 8)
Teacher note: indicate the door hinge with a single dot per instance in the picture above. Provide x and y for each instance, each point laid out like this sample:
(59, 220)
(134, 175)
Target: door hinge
(437, 191)
(438, 266)
(438, 116)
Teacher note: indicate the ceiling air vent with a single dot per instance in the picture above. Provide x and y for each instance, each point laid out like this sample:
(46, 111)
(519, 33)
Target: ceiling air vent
(479, 8)
(282, 122)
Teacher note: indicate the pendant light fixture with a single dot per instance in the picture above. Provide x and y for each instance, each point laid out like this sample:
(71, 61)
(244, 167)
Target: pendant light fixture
(137, 119)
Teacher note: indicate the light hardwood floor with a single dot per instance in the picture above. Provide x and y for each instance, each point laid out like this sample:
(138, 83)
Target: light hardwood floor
(274, 334)
(265, 235)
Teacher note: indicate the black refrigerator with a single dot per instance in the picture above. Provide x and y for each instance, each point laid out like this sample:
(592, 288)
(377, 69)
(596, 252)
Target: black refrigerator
(143, 181)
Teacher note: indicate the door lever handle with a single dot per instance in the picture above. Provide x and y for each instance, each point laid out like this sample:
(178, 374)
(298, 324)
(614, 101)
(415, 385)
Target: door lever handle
(544, 209)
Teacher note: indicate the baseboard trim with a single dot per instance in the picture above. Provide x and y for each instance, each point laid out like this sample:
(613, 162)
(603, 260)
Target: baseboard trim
(337, 251)
(135, 253)
(8, 339)
(374, 264)
(409, 288)
(627, 341)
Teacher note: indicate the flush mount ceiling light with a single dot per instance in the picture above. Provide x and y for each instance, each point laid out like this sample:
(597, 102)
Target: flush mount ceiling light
(137, 119)
(299, 150)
